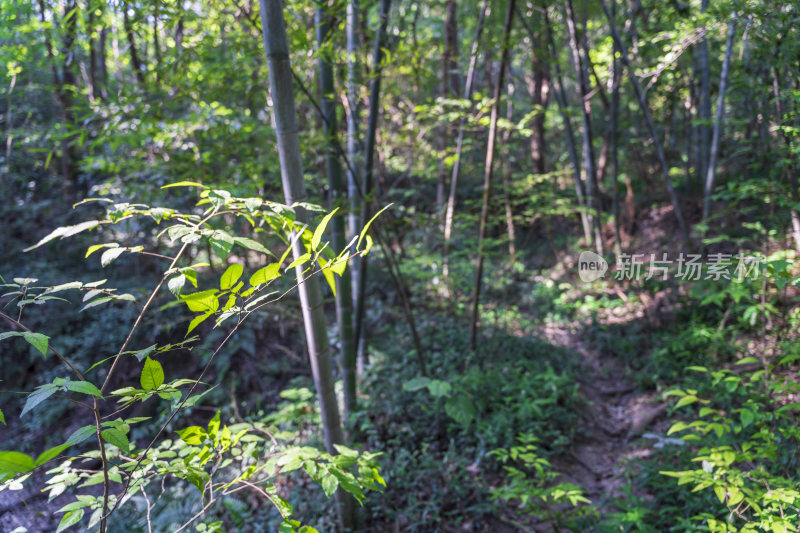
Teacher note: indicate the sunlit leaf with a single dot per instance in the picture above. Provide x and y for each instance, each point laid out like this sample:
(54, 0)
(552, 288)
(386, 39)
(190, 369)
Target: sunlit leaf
(231, 276)
(66, 231)
(184, 184)
(266, 274)
(152, 374)
(320, 231)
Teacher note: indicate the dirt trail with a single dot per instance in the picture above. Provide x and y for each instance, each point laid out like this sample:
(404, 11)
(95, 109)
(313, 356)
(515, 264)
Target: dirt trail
(616, 414)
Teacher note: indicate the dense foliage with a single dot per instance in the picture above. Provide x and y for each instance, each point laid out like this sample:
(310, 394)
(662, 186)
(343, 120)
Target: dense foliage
(428, 178)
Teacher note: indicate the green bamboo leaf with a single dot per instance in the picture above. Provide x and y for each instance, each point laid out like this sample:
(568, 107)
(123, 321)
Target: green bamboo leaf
(368, 224)
(320, 231)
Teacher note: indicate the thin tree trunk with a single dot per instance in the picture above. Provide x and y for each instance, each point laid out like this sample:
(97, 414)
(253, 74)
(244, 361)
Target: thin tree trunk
(354, 154)
(136, 64)
(586, 129)
(94, 89)
(561, 99)
(63, 94)
(614, 123)
(449, 89)
(369, 154)
(343, 297)
(640, 96)
(451, 198)
(789, 170)
(285, 121)
(705, 106)
(507, 170)
(156, 43)
(539, 88)
(714, 155)
(487, 172)
(102, 63)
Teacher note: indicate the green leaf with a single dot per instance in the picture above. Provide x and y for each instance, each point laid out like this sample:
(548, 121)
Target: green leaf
(152, 375)
(461, 409)
(117, 438)
(193, 435)
(51, 453)
(141, 354)
(348, 482)
(221, 243)
(266, 274)
(64, 287)
(38, 396)
(416, 384)
(175, 284)
(70, 519)
(329, 484)
(252, 204)
(299, 261)
(12, 463)
(439, 388)
(203, 302)
(340, 264)
(213, 425)
(81, 434)
(686, 400)
(231, 276)
(191, 274)
(184, 184)
(110, 255)
(84, 387)
(368, 224)
(253, 245)
(66, 231)
(196, 321)
(37, 340)
(2, 418)
(328, 274)
(9, 334)
(320, 231)
(96, 302)
(93, 248)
